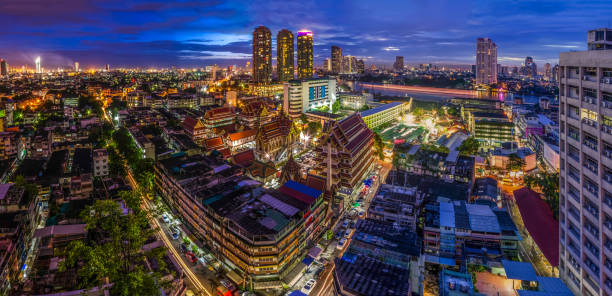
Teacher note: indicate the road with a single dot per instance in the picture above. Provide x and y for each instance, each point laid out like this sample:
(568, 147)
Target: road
(200, 289)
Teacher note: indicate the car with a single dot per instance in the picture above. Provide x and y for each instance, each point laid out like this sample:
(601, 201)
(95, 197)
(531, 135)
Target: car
(347, 233)
(345, 223)
(361, 214)
(165, 218)
(184, 248)
(202, 260)
(341, 243)
(176, 233)
(308, 286)
(227, 284)
(338, 234)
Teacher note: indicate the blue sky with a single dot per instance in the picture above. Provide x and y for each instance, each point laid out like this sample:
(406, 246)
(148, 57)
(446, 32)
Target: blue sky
(190, 33)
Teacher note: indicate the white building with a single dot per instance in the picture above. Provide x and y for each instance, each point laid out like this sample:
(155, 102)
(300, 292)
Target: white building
(100, 159)
(303, 95)
(585, 189)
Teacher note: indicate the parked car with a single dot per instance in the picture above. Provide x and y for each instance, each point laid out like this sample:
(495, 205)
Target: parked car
(184, 248)
(309, 285)
(341, 243)
(165, 218)
(347, 233)
(176, 233)
(345, 223)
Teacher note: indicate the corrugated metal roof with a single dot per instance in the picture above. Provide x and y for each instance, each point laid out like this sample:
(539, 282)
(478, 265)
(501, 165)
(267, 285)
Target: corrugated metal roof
(516, 270)
(447, 215)
(379, 109)
(303, 189)
(284, 208)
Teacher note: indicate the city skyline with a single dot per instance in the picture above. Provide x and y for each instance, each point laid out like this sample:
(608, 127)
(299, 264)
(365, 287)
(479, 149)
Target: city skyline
(193, 34)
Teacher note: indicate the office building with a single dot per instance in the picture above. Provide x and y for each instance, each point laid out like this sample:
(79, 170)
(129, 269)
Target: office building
(386, 113)
(262, 55)
(303, 95)
(336, 59)
(354, 100)
(547, 71)
(4, 68)
(349, 65)
(399, 63)
(486, 61)
(37, 64)
(599, 39)
(530, 68)
(585, 189)
(284, 55)
(76, 66)
(305, 55)
(360, 65)
(327, 65)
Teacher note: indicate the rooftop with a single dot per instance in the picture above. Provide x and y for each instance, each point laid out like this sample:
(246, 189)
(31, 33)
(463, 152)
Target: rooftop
(363, 275)
(380, 108)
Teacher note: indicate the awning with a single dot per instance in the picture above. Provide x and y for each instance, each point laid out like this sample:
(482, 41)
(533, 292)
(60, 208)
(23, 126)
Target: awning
(308, 260)
(232, 275)
(516, 270)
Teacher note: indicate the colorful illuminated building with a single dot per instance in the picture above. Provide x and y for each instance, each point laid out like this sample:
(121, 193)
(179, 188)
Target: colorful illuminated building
(305, 54)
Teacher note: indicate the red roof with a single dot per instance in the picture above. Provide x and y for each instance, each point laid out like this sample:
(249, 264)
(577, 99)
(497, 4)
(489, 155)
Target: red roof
(244, 158)
(241, 135)
(540, 222)
(215, 143)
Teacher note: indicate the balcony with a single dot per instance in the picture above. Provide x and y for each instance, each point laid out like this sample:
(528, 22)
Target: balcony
(606, 104)
(590, 143)
(591, 188)
(589, 122)
(591, 167)
(606, 129)
(589, 99)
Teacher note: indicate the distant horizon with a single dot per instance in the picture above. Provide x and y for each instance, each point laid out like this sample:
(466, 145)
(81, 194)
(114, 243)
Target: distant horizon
(194, 34)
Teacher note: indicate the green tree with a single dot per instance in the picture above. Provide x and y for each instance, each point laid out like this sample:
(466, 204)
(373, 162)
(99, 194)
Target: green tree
(418, 113)
(114, 249)
(364, 107)
(469, 147)
(314, 128)
(548, 184)
(379, 146)
(304, 118)
(324, 108)
(515, 162)
(336, 106)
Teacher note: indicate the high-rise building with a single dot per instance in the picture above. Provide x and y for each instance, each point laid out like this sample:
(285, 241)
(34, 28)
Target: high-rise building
(4, 68)
(284, 55)
(530, 67)
(305, 54)
(555, 73)
(76, 66)
(585, 189)
(37, 63)
(349, 64)
(486, 61)
(107, 68)
(327, 65)
(336, 59)
(399, 63)
(547, 71)
(360, 66)
(599, 39)
(262, 55)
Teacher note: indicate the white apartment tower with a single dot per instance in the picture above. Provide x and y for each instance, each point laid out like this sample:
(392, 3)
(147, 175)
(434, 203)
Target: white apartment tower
(486, 61)
(585, 188)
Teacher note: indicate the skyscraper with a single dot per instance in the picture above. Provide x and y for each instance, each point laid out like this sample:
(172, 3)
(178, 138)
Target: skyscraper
(486, 61)
(4, 67)
(76, 66)
(284, 55)
(399, 63)
(360, 66)
(327, 65)
(336, 59)
(585, 161)
(547, 71)
(37, 63)
(262, 55)
(305, 54)
(531, 69)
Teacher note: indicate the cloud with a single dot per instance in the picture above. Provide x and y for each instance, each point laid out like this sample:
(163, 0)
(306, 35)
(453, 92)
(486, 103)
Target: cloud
(390, 48)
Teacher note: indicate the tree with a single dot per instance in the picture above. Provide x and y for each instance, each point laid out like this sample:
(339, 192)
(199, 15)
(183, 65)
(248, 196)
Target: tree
(379, 145)
(548, 184)
(418, 113)
(336, 106)
(304, 119)
(515, 162)
(30, 190)
(314, 127)
(453, 111)
(324, 108)
(364, 107)
(113, 251)
(469, 147)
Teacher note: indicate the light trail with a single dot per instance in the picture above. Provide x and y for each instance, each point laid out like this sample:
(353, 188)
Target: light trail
(423, 89)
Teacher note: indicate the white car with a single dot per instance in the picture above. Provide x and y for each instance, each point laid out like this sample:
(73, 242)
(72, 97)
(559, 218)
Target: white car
(348, 233)
(165, 218)
(341, 244)
(309, 285)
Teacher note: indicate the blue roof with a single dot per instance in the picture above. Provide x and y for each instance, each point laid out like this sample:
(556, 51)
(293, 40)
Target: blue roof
(303, 189)
(516, 270)
(555, 286)
(297, 293)
(308, 260)
(379, 109)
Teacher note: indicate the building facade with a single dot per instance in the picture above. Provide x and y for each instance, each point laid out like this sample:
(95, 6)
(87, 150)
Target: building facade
(284, 55)
(305, 55)
(336, 59)
(585, 199)
(384, 114)
(262, 55)
(303, 95)
(486, 61)
(399, 63)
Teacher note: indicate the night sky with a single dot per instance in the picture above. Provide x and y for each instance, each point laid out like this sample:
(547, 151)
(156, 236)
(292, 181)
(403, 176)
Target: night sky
(197, 33)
